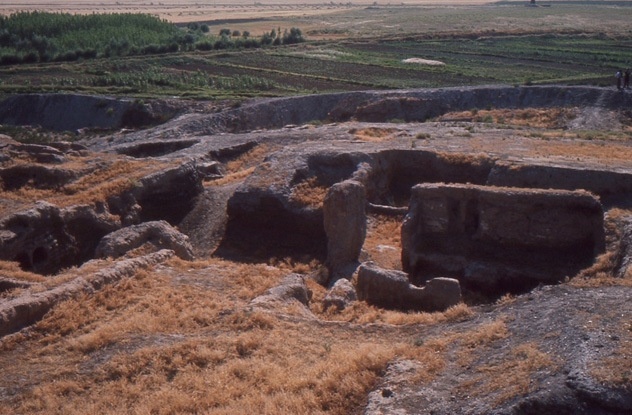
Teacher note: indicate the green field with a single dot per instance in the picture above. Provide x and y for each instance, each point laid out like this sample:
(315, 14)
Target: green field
(362, 48)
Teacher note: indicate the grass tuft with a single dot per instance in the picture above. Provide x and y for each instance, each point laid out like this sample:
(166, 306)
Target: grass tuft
(309, 192)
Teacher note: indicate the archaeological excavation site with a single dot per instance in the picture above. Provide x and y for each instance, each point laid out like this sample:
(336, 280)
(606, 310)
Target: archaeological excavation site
(444, 251)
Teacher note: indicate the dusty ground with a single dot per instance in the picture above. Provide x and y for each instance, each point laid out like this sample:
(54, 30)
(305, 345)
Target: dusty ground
(183, 336)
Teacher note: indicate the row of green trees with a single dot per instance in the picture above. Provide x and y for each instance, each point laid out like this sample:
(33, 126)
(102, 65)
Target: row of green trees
(29, 37)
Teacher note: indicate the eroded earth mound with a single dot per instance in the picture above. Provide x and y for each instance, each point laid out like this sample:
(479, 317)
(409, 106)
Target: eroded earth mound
(511, 203)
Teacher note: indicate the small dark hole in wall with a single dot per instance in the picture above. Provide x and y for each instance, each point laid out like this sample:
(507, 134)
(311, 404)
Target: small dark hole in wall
(40, 255)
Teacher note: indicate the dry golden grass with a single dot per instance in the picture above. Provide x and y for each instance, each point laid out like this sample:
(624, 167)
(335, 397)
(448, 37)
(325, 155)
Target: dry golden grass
(184, 340)
(485, 334)
(546, 118)
(41, 283)
(231, 178)
(383, 241)
(505, 300)
(601, 273)
(252, 157)
(245, 281)
(460, 158)
(145, 345)
(116, 178)
(512, 375)
(241, 168)
(362, 313)
(9, 269)
(432, 352)
(113, 176)
(605, 151)
(374, 134)
(547, 136)
(309, 192)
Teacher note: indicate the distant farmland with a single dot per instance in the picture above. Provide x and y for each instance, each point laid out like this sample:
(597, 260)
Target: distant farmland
(348, 46)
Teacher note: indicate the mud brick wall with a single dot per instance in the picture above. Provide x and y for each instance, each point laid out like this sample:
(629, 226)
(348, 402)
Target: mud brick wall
(613, 187)
(500, 240)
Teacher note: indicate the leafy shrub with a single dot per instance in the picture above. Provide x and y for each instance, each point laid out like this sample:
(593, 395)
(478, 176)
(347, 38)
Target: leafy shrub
(204, 45)
(293, 36)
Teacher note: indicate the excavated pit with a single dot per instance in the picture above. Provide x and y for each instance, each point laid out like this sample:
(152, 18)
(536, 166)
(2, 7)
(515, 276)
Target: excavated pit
(168, 195)
(40, 177)
(52, 239)
(46, 238)
(485, 220)
(499, 240)
(397, 171)
(265, 223)
(264, 218)
(271, 231)
(156, 149)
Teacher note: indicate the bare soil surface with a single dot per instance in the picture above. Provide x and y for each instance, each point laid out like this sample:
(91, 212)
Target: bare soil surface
(246, 185)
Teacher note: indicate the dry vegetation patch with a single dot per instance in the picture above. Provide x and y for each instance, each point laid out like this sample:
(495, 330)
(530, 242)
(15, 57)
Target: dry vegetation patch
(382, 244)
(604, 151)
(164, 342)
(550, 128)
(310, 192)
(10, 269)
(110, 175)
(362, 313)
(242, 166)
(601, 273)
(374, 134)
(548, 118)
(147, 345)
(514, 374)
(251, 158)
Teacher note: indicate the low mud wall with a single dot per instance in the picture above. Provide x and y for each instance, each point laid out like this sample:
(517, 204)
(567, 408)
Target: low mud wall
(613, 187)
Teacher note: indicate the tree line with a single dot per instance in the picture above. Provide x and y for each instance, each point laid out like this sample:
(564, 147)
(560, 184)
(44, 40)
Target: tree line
(30, 37)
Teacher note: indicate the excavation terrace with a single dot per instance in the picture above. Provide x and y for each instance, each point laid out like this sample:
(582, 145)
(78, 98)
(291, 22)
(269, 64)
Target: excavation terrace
(497, 191)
